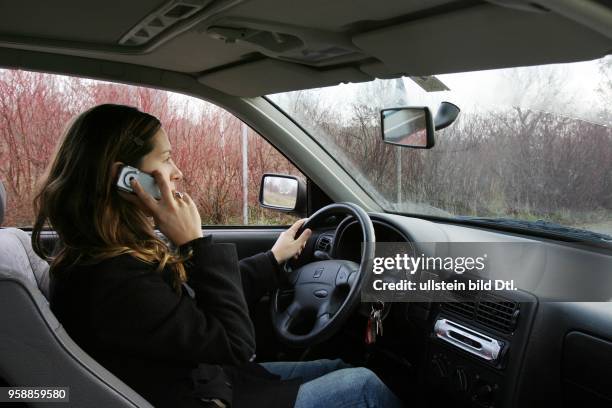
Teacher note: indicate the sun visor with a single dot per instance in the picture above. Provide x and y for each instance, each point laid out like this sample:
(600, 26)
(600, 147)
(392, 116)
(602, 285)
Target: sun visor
(481, 37)
(270, 76)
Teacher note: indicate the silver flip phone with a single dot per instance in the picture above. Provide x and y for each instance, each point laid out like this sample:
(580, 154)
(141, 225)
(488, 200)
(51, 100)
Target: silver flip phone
(147, 181)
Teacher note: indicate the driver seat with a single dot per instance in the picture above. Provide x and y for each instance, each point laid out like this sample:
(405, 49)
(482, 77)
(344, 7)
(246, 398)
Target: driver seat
(35, 350)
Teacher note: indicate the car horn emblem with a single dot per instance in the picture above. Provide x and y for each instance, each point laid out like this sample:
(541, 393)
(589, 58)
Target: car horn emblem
(318, 273)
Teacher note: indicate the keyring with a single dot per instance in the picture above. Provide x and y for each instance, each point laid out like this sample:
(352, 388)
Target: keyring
(178, 194)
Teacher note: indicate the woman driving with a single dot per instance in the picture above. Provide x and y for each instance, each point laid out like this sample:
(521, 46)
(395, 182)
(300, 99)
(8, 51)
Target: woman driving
(170, 319)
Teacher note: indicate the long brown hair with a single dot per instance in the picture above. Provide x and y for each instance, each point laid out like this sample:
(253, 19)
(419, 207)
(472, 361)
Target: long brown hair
(77, 197)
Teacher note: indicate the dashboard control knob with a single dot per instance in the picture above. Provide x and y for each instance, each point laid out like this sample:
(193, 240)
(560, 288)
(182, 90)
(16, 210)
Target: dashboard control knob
(483, 394)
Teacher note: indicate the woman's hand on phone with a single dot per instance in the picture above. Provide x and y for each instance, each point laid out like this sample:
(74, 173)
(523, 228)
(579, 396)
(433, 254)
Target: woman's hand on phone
(287, 246)
(177, 218)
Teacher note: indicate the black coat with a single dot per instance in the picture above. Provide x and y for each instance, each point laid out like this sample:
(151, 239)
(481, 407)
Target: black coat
(170, 348)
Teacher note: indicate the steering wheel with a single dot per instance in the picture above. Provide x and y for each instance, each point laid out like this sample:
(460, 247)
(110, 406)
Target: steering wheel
(325, 292)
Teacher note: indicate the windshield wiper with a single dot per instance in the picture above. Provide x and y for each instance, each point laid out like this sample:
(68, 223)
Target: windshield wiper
(542, 226)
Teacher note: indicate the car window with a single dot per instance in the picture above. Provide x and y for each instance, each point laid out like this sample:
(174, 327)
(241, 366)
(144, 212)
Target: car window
(532, 145)
(207, 144)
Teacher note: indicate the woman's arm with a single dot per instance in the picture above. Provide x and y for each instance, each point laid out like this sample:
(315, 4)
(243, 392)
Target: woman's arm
(260, 274)
(142, 314)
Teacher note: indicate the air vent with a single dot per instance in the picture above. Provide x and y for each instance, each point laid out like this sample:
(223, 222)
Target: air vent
(324, 243)
(181, 11)
(142, 33)
(487, 309)
(464, 309)
(498, 313)
(163, 18)
(156, 23)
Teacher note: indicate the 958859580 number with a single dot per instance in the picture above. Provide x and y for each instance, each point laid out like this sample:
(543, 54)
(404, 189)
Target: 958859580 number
(33, 394)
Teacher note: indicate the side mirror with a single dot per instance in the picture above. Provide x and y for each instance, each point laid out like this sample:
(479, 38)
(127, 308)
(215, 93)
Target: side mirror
(410, 127)
(283, 192)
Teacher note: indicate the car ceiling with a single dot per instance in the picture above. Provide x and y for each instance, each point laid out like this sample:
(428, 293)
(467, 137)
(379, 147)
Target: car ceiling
(258, 47)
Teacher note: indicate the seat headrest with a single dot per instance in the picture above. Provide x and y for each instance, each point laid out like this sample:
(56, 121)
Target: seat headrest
(19, 261)
(2, 202)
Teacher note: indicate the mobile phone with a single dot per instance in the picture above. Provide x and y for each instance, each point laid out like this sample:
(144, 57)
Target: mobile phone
(146, 180)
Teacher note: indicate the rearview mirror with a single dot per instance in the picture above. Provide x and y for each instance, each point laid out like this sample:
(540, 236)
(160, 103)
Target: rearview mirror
(410, 127)
(283, 192)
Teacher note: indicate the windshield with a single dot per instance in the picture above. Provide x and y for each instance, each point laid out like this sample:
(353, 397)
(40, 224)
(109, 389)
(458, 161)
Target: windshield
(530, 143)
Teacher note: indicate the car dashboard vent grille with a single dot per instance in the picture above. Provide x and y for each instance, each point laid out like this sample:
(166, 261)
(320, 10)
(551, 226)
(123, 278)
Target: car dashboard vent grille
(487, 309)
(464, 309)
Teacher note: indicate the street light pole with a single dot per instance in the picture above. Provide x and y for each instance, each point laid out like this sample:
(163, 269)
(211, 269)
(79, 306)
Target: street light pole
(245, 175)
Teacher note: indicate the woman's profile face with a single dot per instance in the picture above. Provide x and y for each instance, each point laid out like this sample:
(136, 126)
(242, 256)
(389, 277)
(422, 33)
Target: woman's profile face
(160, 158)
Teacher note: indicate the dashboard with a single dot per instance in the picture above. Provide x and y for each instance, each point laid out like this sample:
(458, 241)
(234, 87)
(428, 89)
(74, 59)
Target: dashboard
(346, 238)
(514, 349)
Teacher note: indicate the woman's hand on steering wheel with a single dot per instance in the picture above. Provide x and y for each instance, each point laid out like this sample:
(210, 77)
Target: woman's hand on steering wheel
(287, 246)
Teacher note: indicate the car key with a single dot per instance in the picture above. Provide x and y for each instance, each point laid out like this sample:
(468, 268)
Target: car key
(371, 329)
(374, 325)
(379, 330)
(378, 309)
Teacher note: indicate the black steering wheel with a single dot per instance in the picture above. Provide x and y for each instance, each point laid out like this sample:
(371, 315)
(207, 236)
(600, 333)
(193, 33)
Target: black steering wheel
(325, 293)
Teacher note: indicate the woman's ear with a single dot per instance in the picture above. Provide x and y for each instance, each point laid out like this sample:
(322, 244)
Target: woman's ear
(115, 169)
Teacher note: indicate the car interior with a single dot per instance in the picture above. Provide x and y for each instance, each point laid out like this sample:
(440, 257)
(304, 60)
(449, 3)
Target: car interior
(234, 52)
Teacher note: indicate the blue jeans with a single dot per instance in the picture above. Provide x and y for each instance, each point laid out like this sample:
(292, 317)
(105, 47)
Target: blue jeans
(333, 383)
